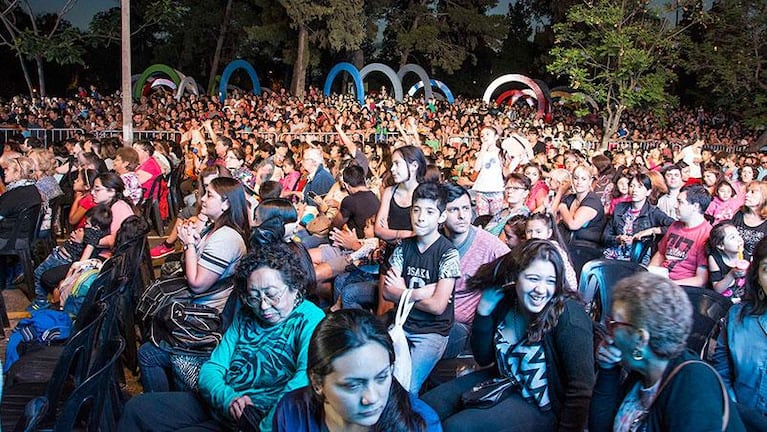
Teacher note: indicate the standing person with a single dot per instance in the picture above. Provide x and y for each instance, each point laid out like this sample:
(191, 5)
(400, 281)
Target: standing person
(489, 183)
(475, 247)
(739, 355)
(682, 251)
(581, 218)
(539, 337)
(349, 364)
(651, 318)
(751, 220)
(668, 203)
(408, 166)
(428, 264)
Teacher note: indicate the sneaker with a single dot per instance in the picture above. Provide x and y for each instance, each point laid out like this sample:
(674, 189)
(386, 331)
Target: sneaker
(38, 305)
(161, 251)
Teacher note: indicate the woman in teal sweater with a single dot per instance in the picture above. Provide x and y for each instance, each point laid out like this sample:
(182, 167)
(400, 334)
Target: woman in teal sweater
(261, 357)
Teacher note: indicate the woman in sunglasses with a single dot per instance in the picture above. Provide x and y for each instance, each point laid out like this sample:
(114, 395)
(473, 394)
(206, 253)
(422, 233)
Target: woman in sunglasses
(541, 341)
(262, 355)
(647, 335)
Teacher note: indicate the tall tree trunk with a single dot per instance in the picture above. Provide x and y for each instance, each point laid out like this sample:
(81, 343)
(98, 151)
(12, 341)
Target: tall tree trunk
(220, 44)
(358, 58)
(298, 81)
(27, 77)
(41, 75)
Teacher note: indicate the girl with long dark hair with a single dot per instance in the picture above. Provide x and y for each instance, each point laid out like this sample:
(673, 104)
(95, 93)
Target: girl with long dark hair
(350, 365)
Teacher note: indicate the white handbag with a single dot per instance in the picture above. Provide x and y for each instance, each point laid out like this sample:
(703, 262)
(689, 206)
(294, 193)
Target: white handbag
(402, 363)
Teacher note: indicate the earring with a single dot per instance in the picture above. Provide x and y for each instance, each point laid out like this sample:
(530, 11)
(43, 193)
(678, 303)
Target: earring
(299, 298)
(637, 354)
(761, 295)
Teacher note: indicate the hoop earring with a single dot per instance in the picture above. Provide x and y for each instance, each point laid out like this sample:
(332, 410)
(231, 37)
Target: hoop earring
(761, 294)
(637, 354)
(299, 298)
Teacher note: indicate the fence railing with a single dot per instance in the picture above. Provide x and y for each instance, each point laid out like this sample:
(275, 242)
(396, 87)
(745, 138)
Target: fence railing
(47, 136)
(139, 135)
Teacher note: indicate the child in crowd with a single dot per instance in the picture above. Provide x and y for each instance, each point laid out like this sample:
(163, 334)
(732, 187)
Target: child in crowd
(83, 244)
(428, 264)
(726, 267)
(725, 204)
(542, 226)
(514, 231)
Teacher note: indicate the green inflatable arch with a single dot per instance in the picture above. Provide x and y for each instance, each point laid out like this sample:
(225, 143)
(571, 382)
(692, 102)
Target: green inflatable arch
(167, 70)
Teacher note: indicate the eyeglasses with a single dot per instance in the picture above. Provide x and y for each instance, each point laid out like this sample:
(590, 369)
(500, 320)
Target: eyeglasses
(515, 188)
(271, 297)
(613, 324)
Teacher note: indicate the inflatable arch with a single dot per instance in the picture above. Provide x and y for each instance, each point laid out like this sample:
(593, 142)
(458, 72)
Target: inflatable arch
(434, 83)
(418, 70)
(155, 68)
(515, 94)
(389, 72)
(546, 93)
(519, 79)
(355, 74)
(187, 83)
(229, 69)
(163, 82)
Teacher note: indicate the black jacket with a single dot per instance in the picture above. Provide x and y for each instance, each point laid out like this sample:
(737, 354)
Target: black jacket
(650, 216)
(692, 401)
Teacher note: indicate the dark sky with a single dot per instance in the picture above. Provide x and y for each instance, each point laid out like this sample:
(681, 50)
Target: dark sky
(81, 13)
(84, 10)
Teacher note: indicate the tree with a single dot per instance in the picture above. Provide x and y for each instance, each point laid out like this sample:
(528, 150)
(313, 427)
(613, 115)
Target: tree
(730, 59)
(442, 34)
(42, 38)
(622, 54)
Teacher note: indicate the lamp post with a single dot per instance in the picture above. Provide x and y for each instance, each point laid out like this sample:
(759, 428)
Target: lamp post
(127, 94)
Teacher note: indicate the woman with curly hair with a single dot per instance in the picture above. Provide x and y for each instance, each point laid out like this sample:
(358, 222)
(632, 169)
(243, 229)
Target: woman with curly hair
(350, 363)
(666, 386)
(541, 341)
(262, 356)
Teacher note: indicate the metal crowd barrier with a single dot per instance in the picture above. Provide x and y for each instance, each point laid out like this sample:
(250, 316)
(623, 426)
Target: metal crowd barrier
(139, 135)
(269, 137)
(47, 136)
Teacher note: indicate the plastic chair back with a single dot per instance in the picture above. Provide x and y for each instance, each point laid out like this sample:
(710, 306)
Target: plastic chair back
(93, 393)
(597, 280)
(709, 309)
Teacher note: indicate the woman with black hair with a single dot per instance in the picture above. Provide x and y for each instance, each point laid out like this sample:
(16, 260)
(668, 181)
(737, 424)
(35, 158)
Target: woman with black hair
(350, 364)
(541, 340)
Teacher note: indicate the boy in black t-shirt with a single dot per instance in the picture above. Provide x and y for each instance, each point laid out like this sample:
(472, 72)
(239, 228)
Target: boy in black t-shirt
(429, 264)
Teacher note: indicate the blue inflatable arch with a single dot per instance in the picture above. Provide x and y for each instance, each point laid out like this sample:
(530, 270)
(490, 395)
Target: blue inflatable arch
(418, 70)
(434, 83)
(230, 68)
(389, 72)
(351, 70)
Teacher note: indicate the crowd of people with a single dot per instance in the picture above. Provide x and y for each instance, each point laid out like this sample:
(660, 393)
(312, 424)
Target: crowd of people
(320, 216)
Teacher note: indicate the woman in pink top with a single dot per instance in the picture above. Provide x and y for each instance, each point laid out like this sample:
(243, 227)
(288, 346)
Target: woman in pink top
(539, 192)
(148, 168)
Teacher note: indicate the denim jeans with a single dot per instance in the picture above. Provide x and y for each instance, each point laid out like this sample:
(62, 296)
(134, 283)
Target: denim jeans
(55, 259)
(155, 365)
(357, 289)
(458, 341)
(176, 412)
(425, 351)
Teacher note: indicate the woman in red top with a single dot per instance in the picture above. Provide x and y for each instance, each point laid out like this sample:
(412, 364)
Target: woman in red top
(148, 168)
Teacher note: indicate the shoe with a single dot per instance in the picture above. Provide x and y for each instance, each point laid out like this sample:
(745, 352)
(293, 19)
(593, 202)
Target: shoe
(161, 251)
(38, 305)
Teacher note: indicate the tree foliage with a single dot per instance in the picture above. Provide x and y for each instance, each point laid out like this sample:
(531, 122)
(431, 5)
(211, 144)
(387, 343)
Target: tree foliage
(730, 58)
(442, 34)
(621, 53)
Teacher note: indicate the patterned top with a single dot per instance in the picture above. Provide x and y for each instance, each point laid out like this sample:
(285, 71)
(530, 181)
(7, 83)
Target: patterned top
(524, 363)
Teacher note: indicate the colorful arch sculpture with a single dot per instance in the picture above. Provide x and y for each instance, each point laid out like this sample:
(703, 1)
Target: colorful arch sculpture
(434, 83)
(155, 68)
(418, 70)
(229, 69)
(518, 78)
(515, 94)
(187, 83)
(389, 72)
(355, 74)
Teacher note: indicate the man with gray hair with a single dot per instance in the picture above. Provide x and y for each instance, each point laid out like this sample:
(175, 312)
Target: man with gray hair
(319, 178)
